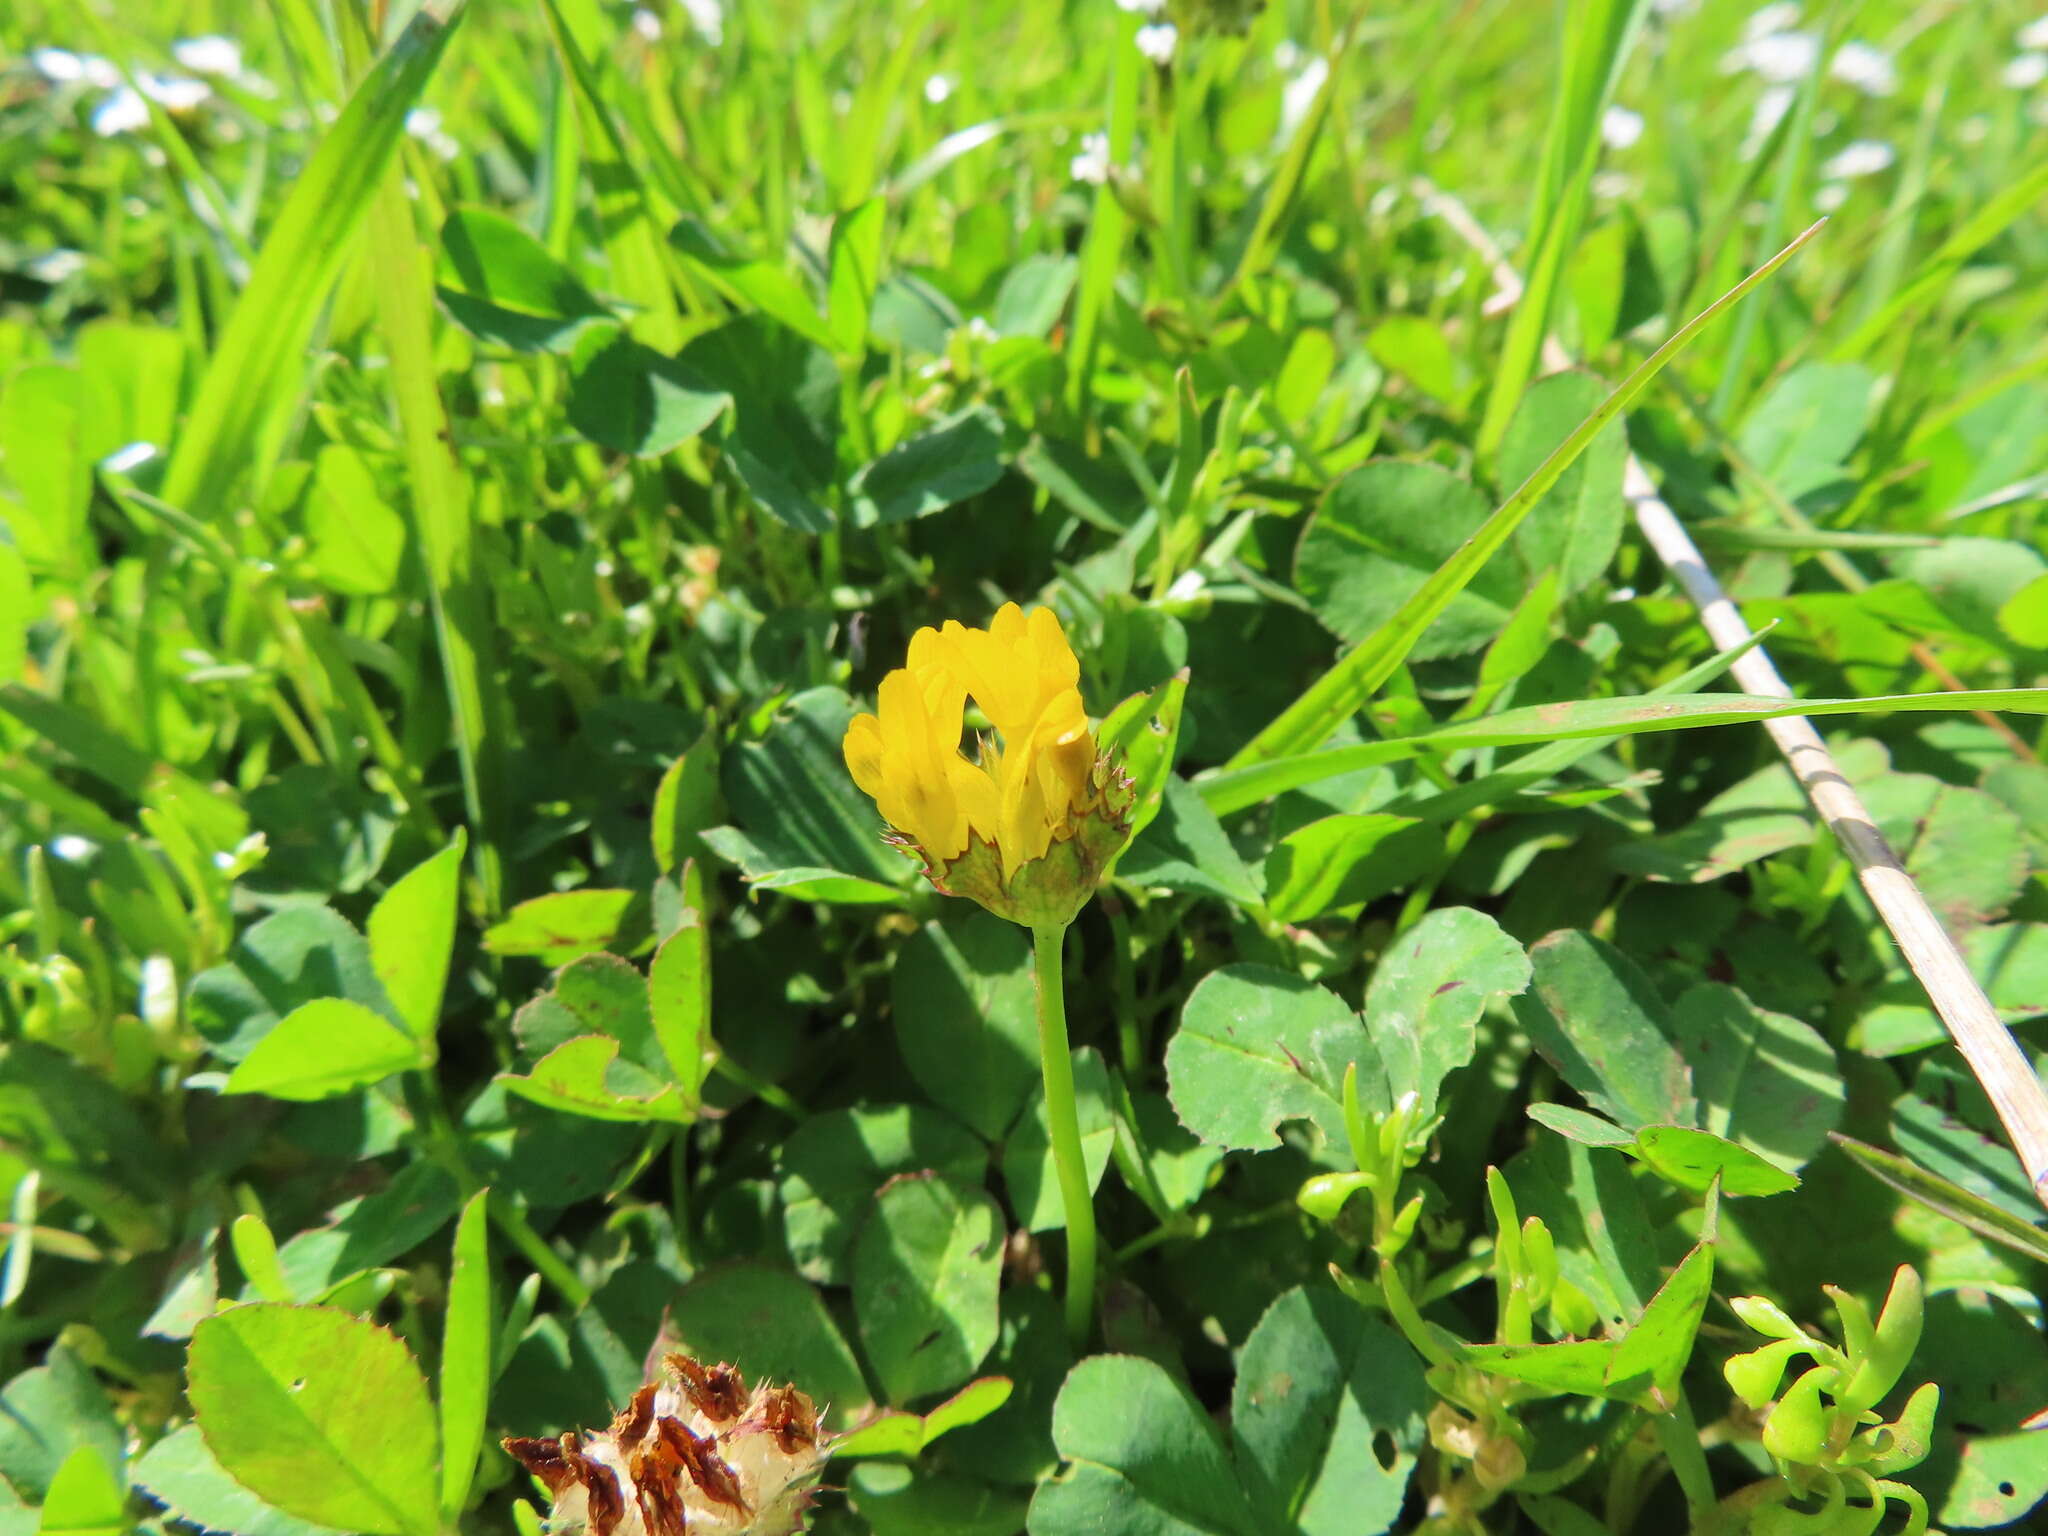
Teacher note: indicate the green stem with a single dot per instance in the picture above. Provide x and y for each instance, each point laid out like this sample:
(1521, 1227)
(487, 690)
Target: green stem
(443, 1142)
(1679, 1434)
(1058, 1064)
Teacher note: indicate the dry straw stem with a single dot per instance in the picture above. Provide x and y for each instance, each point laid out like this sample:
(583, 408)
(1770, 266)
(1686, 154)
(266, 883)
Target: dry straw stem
(1987, 1045)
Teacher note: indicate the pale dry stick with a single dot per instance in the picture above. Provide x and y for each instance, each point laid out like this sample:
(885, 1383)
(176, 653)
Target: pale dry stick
(1987, 1045)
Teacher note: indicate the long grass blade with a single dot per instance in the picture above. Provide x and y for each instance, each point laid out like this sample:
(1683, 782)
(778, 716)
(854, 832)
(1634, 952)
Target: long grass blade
(254, 379)
(1596, 46)
(1343, 690)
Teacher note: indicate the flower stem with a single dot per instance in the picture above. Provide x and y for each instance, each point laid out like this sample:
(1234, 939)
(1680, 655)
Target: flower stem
(1058, 1064)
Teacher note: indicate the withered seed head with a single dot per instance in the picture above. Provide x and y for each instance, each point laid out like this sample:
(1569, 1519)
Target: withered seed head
(694, 1455)
(718, 1392)
(601, 1492)
(789, 1416)
(544, 1459)
(635, 1419)
(698, 1456)
(661, 1497)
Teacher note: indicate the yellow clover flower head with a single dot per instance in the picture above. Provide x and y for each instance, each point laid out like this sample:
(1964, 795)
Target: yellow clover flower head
(1029, 829)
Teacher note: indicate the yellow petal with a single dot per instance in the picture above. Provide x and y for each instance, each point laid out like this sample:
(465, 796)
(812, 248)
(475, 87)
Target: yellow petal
(863, 748)
(975, 793)
(1056, 663)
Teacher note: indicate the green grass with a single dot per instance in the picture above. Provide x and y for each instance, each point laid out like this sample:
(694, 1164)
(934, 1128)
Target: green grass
(530, 432)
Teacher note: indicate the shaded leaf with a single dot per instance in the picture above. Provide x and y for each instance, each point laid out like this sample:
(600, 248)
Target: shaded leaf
(926, 1266)
(1428, 992)
(1595, 1017)
(958, 458)
(1318, 1383)
(965, 1010)
(1381, 532)
(1257, 1046)
(771, 1325)
(1576, 526)
(501, 284)
(626, 396)
(833, 1164)
(1765, 1080)
(1145, 1459)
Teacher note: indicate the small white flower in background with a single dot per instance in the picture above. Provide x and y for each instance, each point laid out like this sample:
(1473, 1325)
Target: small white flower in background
(1770, 18)
(2026, 71)
(61, 67)
(2033, 37)
(54, 267)
(1780, 57)
(1299, 94)
(72, 848)
(157, 995)
(123, 111)
(1865, 66)
(130, 456)
(209, 55)
(1156, 41)
(1141, 7)
(1619, 127)
(1092, 164)
(173, 93)
(647, 24)
(938, 88)
(708, 17)
(1831, 196)
(1771, 108)
(424, 124)
(1866, 157)
(1288, 57)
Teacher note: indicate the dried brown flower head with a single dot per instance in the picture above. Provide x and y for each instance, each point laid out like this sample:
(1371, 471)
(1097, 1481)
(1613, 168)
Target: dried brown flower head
(694, 1454)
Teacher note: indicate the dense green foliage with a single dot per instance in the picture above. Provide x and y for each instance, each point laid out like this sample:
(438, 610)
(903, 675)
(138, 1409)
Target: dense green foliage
(459, 474)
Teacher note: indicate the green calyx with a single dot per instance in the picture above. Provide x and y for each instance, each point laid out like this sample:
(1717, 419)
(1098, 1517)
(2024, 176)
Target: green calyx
(1050, 890)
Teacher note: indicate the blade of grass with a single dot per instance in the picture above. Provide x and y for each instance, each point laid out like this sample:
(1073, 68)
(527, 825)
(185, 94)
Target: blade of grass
(442, 517)
(1598, 37)
(1949, 1199)
(1345, 688)
(1939, 270)
(1108, 223)
(1284, 190)
(443, 522)
(1987, 1046)
(253, 381)
(1792, 146)
(625, 212)
(465, 1377)
(1224, 791)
